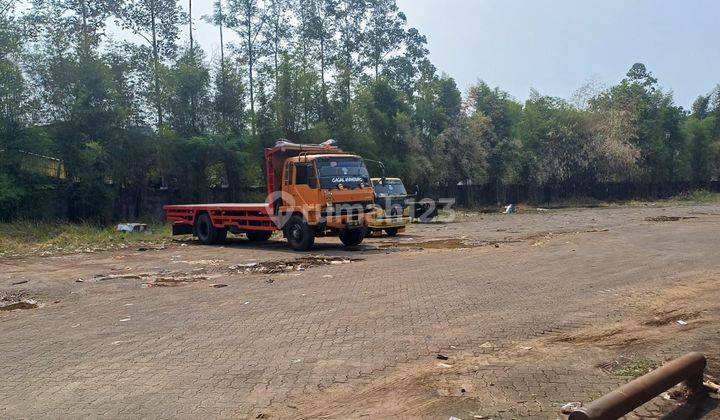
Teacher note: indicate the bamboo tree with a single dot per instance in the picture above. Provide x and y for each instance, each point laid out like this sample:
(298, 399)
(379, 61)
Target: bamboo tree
(247, 19)
(157, 22)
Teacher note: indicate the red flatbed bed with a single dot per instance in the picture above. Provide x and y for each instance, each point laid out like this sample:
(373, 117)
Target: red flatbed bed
(243, 216)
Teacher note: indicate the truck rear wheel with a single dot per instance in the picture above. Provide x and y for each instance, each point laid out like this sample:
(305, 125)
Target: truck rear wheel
(300, 235)
(206, 232)
(352, 237)
(258, 236)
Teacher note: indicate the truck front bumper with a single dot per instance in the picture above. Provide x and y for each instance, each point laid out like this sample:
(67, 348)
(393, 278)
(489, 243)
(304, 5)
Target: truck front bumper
(380, 223)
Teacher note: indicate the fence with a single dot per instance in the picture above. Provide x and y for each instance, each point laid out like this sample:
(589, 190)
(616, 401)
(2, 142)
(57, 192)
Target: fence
(56, 203)
(477, 196)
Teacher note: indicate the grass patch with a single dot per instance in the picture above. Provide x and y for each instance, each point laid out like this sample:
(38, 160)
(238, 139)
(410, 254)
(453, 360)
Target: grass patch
(26, 238)
(698, 197)
(631, 368)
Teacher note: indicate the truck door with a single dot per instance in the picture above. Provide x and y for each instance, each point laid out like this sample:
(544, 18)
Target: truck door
(305, 184)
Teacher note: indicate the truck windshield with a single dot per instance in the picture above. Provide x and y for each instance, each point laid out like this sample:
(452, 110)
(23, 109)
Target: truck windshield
(391, 188)
(348, 172)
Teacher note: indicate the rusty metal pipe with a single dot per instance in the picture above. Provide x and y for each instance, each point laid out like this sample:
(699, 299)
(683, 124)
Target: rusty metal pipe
(632, 395)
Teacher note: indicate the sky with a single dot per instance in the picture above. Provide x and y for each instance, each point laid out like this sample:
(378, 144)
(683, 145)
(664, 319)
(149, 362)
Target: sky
(556, 46)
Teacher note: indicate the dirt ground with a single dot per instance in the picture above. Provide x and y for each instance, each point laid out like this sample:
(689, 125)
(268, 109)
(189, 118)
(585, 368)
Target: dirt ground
(487, 316)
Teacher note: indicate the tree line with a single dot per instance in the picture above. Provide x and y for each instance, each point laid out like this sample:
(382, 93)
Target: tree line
(100, 115)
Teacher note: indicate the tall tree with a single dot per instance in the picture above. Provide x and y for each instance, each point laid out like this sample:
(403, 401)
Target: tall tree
(276, 32)
(189, 96)
(318, 27)
(350, 16)
(501, 143)
(384, 32)
(247, 18)
(157, 22)
(218, 19)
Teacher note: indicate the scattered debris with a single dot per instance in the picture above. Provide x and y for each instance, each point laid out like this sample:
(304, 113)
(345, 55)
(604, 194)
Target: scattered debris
(510, 209)
(132, 227)
(444, 365)
(21, 304)
(19, 282)
(679, 393)
(14, 300)
(218, 286)
(199, 262)
(526, 348)
(151, 248)
(681, 322)
(177, 280)
(442, 357)
(128, 276)
(667, 218)
(125, 320)
(161, 279)
(244, 266)
(455, 243)
(712, 386)
(570, 407)
(79, 281)
(297, 264)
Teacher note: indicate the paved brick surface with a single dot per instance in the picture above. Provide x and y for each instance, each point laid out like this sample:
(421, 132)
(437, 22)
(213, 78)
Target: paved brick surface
(116, 348)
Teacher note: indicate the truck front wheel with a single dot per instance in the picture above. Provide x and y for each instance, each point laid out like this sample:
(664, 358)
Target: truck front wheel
(206, 232)
(391, 231)
(300, 235)
(352, 237)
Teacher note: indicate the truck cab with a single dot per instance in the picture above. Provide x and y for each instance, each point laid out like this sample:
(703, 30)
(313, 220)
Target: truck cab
(324, 193)
(392, 209)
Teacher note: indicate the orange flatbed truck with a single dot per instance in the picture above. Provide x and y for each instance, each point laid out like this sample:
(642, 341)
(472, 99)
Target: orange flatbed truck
(313, 190)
